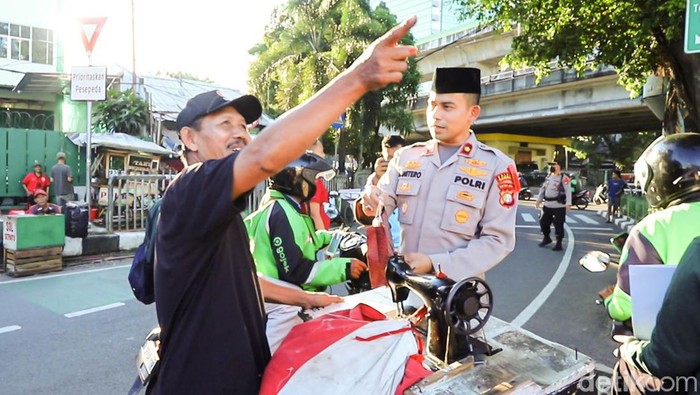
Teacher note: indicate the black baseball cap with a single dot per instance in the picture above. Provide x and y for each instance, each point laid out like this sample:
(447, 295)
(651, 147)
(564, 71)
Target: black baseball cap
(209, 102)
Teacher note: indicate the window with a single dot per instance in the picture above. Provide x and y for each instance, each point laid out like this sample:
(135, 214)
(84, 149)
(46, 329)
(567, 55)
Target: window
(26, 43)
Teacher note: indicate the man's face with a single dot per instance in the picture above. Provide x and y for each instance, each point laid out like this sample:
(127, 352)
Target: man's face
(450, 116)
(41, 199)
(219, 134)
(37, 169)
(388, 152)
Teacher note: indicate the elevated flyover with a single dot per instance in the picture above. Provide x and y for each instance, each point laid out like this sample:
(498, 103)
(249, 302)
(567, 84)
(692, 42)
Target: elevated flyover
(563, 104)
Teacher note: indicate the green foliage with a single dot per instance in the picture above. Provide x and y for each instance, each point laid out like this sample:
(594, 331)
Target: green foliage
(122, 112)
(310, 42)
(624, 149)
(637, 37)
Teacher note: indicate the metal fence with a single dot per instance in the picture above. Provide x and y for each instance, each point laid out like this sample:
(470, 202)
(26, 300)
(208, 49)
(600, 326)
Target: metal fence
(634, 206)
(129, 197)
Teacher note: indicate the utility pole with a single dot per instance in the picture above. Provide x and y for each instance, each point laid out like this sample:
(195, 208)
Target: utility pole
(133, 49)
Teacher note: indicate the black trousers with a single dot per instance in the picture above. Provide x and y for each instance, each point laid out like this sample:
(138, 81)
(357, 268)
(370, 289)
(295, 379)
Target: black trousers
(556, 216)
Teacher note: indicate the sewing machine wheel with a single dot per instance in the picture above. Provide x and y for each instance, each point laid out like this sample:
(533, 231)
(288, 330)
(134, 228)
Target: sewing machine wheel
(469, 305)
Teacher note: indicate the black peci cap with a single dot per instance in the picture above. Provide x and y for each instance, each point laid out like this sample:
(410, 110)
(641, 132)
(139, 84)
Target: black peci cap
(209, 102)
(457, 80)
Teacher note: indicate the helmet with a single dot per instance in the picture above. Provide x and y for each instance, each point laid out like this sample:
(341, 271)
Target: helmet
(668, 171)
(299, 177)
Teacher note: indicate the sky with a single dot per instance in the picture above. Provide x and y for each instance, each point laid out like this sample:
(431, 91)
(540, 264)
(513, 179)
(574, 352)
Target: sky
(207, 38)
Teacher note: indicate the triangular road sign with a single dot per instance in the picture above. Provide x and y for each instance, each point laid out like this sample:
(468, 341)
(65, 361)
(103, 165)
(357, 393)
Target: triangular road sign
(90, 29)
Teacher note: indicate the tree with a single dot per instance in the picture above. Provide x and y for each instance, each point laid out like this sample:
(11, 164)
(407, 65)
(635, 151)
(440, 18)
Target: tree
(307, 44)
(624, 149)
(638, 37)
(122, 112)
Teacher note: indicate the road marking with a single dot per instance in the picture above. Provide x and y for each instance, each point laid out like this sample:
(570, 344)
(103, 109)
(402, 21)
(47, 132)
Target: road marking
(528, 217)
(585, 219)
(572, 227)
(93, 310)
(21, 280)
(10, 328)
(570, 220)
(547, 291)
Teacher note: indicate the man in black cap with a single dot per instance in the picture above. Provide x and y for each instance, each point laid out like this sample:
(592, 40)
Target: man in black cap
(208, 299)
(456, 197)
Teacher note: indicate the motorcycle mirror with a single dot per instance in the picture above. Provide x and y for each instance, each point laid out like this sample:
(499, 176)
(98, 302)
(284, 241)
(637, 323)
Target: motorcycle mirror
(330, 209)
(595, 261)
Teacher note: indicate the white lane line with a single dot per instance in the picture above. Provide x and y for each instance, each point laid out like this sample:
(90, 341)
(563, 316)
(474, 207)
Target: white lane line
(21, 280)
(10, 328)
(547, 291)
(572, 227)
(527, 217)
(93, 310)
(585, 219)
(571, 220)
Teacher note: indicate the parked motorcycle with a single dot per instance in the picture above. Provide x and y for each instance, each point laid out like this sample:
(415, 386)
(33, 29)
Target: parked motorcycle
(525, 193)
(601, 194)
(581, 198)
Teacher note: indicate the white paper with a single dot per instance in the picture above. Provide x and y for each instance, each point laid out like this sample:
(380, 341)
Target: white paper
(378, 298)
(648, 285)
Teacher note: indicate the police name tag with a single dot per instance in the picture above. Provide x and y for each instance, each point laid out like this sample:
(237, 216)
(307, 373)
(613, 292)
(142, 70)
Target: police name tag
(146, 360)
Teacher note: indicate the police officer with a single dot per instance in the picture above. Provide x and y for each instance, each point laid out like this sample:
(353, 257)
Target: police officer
(669, 174)
(556, 194)
(456, 197)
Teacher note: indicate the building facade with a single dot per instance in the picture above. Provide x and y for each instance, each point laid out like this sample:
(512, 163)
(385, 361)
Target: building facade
(434, 16)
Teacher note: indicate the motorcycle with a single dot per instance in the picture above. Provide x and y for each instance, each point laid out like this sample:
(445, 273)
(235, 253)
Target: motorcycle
(601, 194)
(599, 261)
(525, 193)
(581, 198)
(354, 245)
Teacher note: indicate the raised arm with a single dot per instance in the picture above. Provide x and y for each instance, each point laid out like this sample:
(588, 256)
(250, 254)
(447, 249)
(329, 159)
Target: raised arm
(382, 63)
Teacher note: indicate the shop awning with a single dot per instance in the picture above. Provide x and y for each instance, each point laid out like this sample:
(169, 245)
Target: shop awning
(120, 141)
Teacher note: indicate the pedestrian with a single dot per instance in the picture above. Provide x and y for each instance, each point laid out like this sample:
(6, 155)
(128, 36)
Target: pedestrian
(42, 205)
(62, 180)
(390, 144)
(556, 195)
(456, 197)
(616, 187)
(320, 199)
(33, 181)
(669, 174)
(208, 299)
(669, 362)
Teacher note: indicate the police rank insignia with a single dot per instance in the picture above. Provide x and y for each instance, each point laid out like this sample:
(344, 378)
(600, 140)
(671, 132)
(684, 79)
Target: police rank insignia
(474, 172)
(466, 149)
(464, 195)
(404, 187)
(412, 164)
(404, 208)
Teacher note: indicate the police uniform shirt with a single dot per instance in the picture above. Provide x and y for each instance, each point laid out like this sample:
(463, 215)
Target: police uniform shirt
(461, 213)
(550, 190)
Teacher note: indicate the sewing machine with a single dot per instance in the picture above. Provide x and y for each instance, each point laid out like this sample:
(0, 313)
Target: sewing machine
(455, 311)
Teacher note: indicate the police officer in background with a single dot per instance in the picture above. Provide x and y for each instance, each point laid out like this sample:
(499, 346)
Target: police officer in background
(556, 194)
(456, 197)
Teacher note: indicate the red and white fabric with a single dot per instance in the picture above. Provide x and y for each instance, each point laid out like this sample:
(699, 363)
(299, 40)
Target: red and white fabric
(355, 351)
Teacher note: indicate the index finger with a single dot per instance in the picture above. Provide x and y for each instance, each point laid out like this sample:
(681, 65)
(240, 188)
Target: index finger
(393, 36)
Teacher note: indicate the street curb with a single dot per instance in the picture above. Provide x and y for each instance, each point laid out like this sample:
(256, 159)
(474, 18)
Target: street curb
(625, 223)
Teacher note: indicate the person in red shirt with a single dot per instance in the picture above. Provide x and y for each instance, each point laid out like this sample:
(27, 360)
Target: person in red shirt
(316, 211)
(42, 205)
(33, 181)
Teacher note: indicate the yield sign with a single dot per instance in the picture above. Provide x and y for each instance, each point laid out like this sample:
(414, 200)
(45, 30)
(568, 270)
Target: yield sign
(91, 28)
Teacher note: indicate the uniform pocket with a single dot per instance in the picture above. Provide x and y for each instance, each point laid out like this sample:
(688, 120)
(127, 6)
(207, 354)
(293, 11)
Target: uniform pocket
(407, 199)
(462, 210)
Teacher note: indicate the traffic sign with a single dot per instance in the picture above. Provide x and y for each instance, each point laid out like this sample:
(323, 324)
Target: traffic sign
(88, 83)
(91, 28)
(340, 122)
(692, 27)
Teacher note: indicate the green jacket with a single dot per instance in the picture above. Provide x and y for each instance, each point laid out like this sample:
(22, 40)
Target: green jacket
(675, 341)
(284, 244)
(660, 238)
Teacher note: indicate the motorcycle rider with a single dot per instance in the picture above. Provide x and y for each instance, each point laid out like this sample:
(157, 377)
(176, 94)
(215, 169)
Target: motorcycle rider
(284, 241)
(556, 194)
(669, 174)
